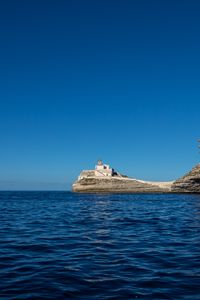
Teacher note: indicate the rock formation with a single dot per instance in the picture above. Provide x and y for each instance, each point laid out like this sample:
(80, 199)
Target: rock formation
(119, 185)
(107, 180)
(91, 181)
(190, 183)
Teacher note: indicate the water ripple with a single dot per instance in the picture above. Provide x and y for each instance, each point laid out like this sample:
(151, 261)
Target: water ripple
(70, 246)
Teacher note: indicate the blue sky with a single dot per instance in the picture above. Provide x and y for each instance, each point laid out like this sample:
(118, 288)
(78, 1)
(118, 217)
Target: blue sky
(83, 80)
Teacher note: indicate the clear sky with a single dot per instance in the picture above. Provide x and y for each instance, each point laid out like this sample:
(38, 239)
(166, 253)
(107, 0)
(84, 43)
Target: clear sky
(83, 80)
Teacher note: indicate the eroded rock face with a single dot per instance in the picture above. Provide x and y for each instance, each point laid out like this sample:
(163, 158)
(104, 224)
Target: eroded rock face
(116, 185)
(190, 183)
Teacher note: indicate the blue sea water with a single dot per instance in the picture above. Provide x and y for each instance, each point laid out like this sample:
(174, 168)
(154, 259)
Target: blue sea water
(60, 245)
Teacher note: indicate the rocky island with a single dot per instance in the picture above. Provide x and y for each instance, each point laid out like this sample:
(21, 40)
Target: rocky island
(104, 179)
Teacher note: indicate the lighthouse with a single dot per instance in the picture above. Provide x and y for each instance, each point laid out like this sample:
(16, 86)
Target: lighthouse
(102, 170)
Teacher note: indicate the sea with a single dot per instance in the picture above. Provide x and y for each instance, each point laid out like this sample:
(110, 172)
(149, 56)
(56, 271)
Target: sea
(63, 245)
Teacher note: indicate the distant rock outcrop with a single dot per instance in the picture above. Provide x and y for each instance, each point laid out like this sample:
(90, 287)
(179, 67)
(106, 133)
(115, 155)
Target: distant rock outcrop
(190, 183)
(118, 185)
(104, 179)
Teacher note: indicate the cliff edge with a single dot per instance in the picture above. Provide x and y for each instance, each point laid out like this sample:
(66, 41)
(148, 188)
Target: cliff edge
(190, 183)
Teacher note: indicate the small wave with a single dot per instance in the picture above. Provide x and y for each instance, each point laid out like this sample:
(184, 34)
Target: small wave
(92, 247)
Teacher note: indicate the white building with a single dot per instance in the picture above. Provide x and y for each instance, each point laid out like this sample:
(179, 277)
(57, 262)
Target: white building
(103, 169)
